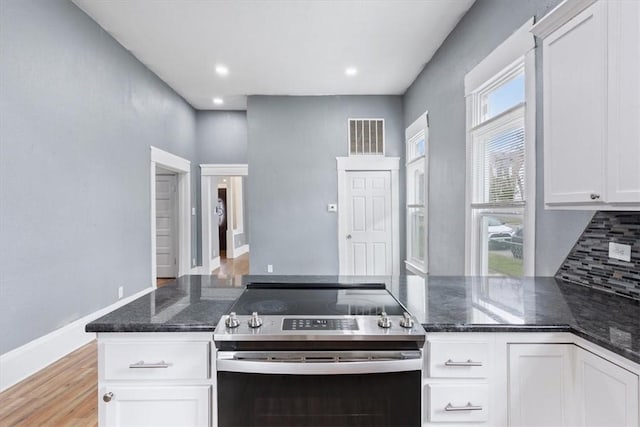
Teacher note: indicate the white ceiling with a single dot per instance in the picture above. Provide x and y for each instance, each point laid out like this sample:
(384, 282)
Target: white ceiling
(279, 47)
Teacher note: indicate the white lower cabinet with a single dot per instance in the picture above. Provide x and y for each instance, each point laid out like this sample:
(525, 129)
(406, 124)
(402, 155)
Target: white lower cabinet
(607, 394)
(540, 385)
(465, 403)
(527, 379)
(155, 379)
(154, 406)
(565, 385)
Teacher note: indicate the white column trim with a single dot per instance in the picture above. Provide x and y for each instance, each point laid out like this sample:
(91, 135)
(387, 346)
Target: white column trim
(362, 163)
(182, 167)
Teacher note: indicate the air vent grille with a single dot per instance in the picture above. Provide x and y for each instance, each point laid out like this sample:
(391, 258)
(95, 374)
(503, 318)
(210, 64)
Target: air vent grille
(366, 137)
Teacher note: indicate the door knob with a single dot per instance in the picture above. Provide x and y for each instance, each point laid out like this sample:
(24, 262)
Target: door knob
(107, 397)
(348, 236)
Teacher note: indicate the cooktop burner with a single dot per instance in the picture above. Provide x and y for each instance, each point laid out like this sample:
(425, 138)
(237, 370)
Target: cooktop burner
(354, 302)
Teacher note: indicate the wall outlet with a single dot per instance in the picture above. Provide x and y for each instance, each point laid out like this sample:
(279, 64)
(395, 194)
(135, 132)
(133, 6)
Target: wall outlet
(269, 268)
(193, 211)
(120, 292)
(620, 251)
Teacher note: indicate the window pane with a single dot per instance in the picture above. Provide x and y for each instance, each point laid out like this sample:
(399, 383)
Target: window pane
(417, 234)
(498, 162)
(505, 96)
(501, 245)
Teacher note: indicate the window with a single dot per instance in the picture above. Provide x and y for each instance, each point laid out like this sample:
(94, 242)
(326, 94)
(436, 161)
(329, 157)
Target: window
(500, 162)
(366, 137)
(416, 154)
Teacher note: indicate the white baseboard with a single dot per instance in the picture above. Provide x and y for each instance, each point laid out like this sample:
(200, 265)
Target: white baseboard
(241, 250)
(26, 360)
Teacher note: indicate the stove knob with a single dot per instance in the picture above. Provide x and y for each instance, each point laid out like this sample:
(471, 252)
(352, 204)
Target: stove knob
(232, 321)
(384, 321)
(254, 320)
(407, 321)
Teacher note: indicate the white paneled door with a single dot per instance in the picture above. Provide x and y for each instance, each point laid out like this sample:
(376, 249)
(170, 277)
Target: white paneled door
(166, 226)
(368, 233)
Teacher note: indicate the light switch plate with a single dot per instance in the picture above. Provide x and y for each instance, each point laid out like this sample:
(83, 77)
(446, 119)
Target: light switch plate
(620, 251)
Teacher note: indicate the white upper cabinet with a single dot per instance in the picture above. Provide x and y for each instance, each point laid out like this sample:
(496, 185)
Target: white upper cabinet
(591, 90)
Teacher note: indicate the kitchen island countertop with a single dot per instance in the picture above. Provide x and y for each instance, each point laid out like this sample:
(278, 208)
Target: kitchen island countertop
(441, 304)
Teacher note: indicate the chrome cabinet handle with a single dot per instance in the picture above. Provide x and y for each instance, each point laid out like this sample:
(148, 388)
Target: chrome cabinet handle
(469, 362)
(141, 364)
(468, 407)
(594, 196)
(107, 397)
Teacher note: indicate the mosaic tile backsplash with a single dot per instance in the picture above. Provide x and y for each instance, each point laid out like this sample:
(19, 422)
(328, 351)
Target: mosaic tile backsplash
(588, 263)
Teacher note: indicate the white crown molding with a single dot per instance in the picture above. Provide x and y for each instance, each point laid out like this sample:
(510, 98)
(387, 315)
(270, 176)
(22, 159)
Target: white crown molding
(559, 15)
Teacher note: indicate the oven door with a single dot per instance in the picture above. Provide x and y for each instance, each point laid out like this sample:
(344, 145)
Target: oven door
(378, 388)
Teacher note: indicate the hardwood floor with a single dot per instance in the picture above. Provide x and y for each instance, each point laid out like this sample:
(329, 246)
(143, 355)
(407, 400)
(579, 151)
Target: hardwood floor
(162, 282)
(63, 394)
(232, 267)
(66, 392)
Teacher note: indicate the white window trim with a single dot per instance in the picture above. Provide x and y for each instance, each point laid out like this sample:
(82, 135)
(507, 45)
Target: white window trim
(520, 43)
(421, 124)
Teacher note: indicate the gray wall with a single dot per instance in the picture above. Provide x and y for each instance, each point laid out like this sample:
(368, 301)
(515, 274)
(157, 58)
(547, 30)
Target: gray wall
(78, 114)
(221, 136)
(293, 145)
(440, 89)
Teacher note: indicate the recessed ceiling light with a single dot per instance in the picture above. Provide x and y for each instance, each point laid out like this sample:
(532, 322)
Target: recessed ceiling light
(222, 70)
(218, 101)
(351, 71)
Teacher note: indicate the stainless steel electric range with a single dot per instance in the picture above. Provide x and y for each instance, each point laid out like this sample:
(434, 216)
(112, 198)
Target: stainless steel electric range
(318, 355)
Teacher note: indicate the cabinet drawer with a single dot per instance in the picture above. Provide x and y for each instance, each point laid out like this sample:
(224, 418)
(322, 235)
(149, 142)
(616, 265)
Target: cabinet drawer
(155, 360)
(457, 403)
(458, 359)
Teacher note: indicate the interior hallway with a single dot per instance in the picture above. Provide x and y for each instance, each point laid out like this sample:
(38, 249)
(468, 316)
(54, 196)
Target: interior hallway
(232, 268)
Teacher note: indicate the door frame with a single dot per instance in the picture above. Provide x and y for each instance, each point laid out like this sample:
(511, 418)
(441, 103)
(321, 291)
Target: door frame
(182, 168)
(207, 172)
(376, 164)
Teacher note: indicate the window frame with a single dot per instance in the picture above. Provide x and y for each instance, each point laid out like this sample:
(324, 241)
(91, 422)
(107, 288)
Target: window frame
(514, 55)
(417, 162)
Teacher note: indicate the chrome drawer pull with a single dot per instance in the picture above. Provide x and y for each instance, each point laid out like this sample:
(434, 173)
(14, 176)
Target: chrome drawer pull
(141, 364)
(469, 362)
(467, 407)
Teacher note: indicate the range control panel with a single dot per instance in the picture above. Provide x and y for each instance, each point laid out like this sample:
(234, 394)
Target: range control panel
(338, 324)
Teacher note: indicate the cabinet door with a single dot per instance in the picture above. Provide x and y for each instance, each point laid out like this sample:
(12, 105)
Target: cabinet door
(540, 385)
(607, 393)
(574, 87)
(155, 406)
(623, 162)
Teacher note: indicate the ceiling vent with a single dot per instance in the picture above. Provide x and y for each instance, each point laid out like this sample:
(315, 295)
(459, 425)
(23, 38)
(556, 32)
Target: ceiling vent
(366, 137)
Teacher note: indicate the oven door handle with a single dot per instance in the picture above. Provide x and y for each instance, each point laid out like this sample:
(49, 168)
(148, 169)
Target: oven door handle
(318, 368)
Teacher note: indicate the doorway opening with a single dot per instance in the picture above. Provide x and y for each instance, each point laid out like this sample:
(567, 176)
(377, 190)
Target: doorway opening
(170, 178)
(166, 224)
(225, 235)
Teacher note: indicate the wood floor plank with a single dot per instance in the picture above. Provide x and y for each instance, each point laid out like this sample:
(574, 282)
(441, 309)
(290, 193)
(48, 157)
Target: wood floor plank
(63, 394)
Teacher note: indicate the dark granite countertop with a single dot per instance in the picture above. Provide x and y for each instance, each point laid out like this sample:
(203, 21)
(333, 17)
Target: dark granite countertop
(442, 304)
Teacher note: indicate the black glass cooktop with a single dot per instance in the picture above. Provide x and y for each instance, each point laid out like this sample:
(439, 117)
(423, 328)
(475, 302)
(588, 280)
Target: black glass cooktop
(316, 301)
